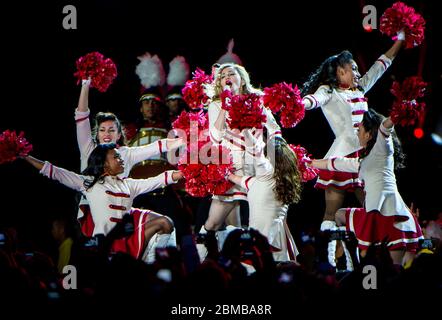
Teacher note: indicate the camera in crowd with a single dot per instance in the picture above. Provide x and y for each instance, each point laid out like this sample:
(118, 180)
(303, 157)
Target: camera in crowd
(429, 244)
(2, 239)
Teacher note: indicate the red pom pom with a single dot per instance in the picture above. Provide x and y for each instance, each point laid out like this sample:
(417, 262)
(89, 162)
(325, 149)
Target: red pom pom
(406, 109)
(13, 146)
(208, 175)
(102, 71)
(282, 97)
(246, 112)
(307, 173)
(193, 91)
(402, 17)
(195, 124)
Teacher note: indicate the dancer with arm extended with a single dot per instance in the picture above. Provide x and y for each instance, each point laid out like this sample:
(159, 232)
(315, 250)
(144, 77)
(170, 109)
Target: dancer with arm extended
(339, 90)
(110, 197)
(385, 215)
(108, 129)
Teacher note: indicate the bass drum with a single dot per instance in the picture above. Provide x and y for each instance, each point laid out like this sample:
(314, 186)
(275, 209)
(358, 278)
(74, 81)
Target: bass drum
(154, 165)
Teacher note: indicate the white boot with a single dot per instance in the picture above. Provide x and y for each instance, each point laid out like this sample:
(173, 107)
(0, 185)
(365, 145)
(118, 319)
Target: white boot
(328, 225)
(157, 241)
(347, 258)
(147, 255)
(172, 239)
(349, 261)
(201, 247)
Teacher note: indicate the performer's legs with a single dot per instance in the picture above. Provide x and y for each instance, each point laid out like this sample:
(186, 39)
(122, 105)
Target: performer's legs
(397, 256)
(157, 223)
(340, 217)
(234, 217)
(158, 232)
(218, 213)
(359, 193)
(334, 199)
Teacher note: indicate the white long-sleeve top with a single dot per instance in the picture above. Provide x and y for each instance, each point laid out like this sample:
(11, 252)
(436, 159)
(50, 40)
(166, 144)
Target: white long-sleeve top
(267, 214)
(130, 155)
(109, 200)
(376, 171)
(344, 108)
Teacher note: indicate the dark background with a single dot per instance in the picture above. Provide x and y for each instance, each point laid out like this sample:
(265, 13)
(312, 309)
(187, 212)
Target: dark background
(277, 41)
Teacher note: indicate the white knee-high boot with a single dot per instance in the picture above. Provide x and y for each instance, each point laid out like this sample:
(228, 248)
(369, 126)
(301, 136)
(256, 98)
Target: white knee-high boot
(158, 241)
(348, 260)
(172, 239)
(328, 225)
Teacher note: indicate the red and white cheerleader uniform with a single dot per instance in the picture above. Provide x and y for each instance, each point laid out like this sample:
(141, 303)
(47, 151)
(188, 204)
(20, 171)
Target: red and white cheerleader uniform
(266, 213)
(110, 200)
(235, 141)
(385, 216)
(344, 109)
(130, 155)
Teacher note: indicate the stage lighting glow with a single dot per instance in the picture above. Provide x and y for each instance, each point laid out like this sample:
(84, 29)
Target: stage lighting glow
(437, 138)
(418, 133)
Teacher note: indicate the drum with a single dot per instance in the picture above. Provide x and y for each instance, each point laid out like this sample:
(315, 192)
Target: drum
(156, 164)
(146, 136)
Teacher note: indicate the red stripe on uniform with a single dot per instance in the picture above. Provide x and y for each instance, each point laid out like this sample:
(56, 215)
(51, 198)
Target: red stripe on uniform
(50, 171)
(358, 112)
(383, 133)
(354, 100)
(383, 63)
(311, 100)
(333, 163)
(117, 220)
(81, 119)
(234, 194)
(247, 182)
(160, 146)
(116, 207)
(315, 102)
(117, 194)
(165, 178)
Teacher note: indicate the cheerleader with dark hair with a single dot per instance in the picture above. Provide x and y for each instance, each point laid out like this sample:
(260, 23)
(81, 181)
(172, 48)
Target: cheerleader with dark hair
(111, 197)
(385, 217)
(339, 90)
(108, 129)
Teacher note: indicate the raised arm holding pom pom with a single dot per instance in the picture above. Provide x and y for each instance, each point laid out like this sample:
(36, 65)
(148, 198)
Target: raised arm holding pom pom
(339, 90)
